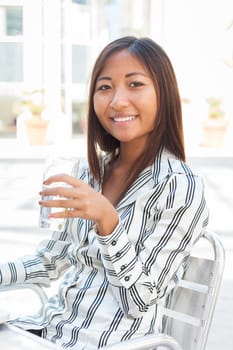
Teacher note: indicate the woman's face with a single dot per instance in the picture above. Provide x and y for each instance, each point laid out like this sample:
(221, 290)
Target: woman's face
(125, 99)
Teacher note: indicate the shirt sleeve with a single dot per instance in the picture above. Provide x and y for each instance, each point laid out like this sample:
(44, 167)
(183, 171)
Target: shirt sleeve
(141, 262)
(50, 260)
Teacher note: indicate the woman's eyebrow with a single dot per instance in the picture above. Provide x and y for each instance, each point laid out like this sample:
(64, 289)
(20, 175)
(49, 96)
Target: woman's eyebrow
(103, 78)
(135, 73)
(128, 75)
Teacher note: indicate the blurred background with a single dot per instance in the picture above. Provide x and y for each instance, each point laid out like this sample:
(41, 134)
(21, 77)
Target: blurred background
(47, 49)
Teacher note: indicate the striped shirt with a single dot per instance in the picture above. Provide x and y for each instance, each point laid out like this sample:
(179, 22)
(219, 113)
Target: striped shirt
(110, 286)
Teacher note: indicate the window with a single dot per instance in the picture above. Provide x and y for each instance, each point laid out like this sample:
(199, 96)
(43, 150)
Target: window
(79, 112)
(11, 20)
(11, 62)
(80, 63)
(11, 48)
(14, 20)
(81, 2)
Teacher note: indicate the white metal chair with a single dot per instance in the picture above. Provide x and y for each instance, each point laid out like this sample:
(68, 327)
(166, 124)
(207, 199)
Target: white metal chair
(188, 309)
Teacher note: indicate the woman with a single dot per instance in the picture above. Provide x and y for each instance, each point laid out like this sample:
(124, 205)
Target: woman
(135, 212)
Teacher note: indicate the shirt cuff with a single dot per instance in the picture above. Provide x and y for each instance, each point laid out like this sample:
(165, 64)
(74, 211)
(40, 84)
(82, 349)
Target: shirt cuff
(119, 258)
(12, 273)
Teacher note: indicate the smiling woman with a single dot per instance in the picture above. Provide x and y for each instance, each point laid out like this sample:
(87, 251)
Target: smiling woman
(136, 208)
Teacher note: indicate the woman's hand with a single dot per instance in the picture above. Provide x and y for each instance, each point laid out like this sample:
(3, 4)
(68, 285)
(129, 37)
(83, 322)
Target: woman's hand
(79, 200)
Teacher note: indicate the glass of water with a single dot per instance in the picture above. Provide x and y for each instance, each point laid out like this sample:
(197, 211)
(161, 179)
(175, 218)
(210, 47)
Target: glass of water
(56, 165)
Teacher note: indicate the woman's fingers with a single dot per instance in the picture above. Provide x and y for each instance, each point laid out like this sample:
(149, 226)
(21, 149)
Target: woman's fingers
(77, 198)
(68, 179)
(63, 185)
(68, 213)
(58, 191)
(61, 203)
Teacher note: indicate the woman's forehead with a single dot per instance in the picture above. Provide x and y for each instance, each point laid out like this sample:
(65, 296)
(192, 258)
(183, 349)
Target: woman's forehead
(123, 61)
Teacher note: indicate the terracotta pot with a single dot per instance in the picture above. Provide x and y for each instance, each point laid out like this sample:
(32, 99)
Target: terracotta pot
(213, 132)
(36, 131)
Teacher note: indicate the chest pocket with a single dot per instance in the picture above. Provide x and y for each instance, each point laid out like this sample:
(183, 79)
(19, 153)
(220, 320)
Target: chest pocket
(127, 216)
(152, 218)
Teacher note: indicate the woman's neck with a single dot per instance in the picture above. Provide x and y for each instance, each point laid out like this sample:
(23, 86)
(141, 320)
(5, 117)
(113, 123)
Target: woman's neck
(128, 155)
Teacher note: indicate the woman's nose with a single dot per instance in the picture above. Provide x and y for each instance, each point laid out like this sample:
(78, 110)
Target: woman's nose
(119, 99)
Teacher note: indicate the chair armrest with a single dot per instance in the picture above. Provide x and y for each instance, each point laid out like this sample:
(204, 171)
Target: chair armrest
(146, 343)
(34, 287)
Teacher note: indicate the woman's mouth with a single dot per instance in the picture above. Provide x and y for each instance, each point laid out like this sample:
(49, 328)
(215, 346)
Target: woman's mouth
(124, 119)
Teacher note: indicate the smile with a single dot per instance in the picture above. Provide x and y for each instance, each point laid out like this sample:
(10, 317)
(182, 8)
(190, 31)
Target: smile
(124, 119)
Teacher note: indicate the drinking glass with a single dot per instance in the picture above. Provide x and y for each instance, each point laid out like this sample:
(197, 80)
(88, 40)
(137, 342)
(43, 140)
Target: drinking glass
(56, 165)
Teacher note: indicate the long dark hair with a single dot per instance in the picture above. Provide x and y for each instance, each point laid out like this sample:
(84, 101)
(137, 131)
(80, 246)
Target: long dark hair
(168, 130)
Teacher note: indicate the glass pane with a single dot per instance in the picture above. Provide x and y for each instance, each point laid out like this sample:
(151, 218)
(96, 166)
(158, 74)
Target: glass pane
(14, 15)
(8, 116)
(79, 111)
(11, 62)
(82, 2)
(11, 20)
(80, 63)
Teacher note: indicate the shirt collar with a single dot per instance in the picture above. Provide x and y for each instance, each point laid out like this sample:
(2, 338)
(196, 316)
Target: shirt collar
(148, 178)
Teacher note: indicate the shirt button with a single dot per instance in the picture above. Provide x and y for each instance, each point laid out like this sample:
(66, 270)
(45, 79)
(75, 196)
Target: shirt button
(123, 267)
(114, 242)
(118, 254)
(127, 278)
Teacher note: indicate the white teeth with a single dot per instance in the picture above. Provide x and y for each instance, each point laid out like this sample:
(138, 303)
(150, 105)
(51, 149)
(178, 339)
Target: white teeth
(124, 119)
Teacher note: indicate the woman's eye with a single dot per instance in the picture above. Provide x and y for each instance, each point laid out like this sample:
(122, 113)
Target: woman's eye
(136, 84)
(103, 87)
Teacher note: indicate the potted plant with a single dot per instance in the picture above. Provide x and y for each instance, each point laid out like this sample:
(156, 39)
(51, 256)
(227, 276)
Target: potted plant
(32, 108)
(215, 125)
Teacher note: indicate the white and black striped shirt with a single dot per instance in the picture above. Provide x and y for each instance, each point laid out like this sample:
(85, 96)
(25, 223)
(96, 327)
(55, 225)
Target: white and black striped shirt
(110, 285)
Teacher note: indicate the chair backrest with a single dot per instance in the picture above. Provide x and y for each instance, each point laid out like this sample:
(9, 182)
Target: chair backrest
(189, 308)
